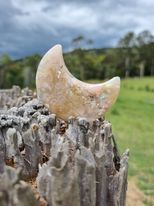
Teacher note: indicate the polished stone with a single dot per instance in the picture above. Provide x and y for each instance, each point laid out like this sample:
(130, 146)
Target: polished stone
(67, 96)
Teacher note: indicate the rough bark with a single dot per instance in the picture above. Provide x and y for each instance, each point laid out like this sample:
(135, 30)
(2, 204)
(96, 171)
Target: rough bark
(75, 163)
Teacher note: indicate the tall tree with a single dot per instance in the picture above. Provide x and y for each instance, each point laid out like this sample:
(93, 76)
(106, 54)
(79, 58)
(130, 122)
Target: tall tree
(145, 45)
(77, 42)
(30, 65)
(5, 61)
(126, 44)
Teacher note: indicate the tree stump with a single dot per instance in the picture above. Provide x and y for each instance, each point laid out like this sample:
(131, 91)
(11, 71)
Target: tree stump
(74, 163)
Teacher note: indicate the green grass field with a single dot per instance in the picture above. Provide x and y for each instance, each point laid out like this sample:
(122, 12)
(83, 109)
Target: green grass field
(132, 118)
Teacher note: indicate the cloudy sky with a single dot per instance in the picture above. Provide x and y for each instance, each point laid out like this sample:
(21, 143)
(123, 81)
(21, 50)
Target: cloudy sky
(33, 26)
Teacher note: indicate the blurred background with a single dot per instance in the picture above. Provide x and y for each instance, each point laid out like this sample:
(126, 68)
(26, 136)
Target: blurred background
(101, 39)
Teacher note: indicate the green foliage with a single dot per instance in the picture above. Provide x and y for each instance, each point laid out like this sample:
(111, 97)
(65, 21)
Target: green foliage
(18, 72)
(85, 65)
(132, 57)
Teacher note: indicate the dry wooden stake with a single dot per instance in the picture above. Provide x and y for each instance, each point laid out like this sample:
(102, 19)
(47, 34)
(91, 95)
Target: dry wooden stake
(75, 163)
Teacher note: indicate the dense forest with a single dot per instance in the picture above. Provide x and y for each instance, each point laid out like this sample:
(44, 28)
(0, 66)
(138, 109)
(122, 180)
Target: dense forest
(133, 56)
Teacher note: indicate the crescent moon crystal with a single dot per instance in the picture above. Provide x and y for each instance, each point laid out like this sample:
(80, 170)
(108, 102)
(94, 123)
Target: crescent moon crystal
(66, 96)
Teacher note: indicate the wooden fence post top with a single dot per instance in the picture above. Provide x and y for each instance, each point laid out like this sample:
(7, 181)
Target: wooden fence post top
(73, 163)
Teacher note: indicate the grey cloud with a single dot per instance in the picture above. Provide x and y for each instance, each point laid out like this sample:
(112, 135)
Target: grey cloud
(33, 26)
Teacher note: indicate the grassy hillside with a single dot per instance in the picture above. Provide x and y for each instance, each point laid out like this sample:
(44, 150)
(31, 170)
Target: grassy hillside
(132, 118)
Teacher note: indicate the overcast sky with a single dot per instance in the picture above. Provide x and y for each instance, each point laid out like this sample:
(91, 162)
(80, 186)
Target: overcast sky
(33, 26)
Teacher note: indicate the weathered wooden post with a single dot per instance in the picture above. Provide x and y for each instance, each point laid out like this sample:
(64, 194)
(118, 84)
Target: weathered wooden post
(73, 162)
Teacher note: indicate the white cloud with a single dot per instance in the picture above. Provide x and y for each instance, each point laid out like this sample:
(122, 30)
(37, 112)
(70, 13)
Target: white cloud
(65, 15)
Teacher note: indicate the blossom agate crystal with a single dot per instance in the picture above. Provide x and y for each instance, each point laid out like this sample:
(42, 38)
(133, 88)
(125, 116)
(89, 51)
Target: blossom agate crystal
(67, 96)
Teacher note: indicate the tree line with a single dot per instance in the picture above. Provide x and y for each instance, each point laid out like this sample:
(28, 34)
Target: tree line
(133, 56)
